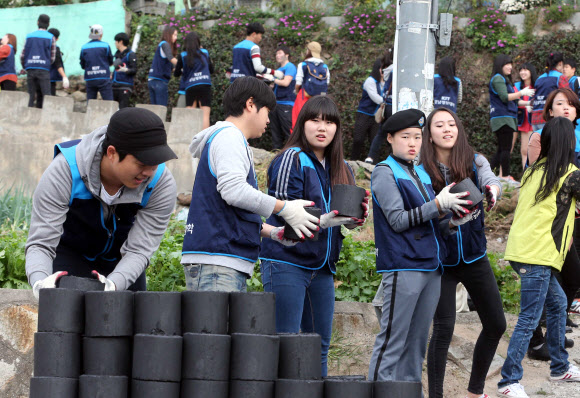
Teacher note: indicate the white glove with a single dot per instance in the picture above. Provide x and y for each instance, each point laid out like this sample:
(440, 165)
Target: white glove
(65, 82)
(47, 283)
(278, 74)
(123, 69)
(452, 201)
(277, 235)
(526, 91)
(457, 221)
(294, 214)
(490, 196)
(332, 219)
(267, 77)
(109, 284)
(529, 108)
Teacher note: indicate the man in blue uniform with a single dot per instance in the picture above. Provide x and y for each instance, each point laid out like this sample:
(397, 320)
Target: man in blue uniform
(281, 116)
(125, 65)
(96, 59)
(38, 54)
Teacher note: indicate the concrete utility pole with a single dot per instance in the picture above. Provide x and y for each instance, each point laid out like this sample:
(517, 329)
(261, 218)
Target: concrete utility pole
(419, 29)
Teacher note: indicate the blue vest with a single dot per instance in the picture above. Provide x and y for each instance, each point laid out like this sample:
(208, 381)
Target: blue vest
(37, 50)
(315, 81)
(366, 105)
(496, 106)
(307, 254)
(199, 74)
(96, 56)
(417, 248)
(86, 231)
(522, 112)
(122, 77)
(545, 84)
(286, 95)
(54, 75)
(242, 60)
(469, 243)
(573, 84)
(7, 65)
(213, 226)
(388, 90)
(161, 66)
(181, 89)
(445, 97)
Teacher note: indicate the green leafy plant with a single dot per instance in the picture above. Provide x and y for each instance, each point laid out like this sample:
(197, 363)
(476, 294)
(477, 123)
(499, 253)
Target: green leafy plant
(165, 272)
(12, 258)
(557, 13)
(489, 30)
(508, 283)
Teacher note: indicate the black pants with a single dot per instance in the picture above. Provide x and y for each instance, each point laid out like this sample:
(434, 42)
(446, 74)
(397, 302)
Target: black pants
(77, 265)
(52, 90)
(8, 85)
(365, 127)
(280, 123)
(505, 135)
(478, 279)
(38, 81)
(122, 96)
(380, 137)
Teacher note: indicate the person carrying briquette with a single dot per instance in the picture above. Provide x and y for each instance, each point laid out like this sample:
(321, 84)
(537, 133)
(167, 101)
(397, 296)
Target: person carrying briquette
(38, 54)
(224, 224)
(96, 59)
(281, 117)
(407, 235)
(164, 61)
(125, 65)
(103, 204)
(57, 68)
(246, 56)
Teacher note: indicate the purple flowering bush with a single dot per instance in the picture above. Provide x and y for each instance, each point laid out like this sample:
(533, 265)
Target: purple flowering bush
(557, 14)
(297, 28)
(364, 24)
(489, 30)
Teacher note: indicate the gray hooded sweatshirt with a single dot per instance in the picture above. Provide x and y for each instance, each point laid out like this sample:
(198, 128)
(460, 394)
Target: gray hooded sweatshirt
(50, 206)
(230, 158)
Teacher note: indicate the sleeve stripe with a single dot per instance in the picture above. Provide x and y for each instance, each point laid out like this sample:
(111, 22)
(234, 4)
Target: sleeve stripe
(284, 176)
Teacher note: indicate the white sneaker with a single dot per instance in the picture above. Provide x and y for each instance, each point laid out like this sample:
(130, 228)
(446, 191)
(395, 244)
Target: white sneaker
(515, 390)
(573, 374)
(369, 160)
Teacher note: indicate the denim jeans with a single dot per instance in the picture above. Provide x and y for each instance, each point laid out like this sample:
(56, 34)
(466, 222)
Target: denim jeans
(213, 278)
(103, 86)
(158, 92)
(539, 285)
(304, 301)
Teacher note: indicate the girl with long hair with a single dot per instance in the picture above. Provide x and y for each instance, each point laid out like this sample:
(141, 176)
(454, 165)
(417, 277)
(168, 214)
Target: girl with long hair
(547, 82)
(8, 77)
(539, 239)
(447, 88)
(308, 167)
(528, 78)
(195, 67)
(503, 112)
(447, 157)
(163, 62)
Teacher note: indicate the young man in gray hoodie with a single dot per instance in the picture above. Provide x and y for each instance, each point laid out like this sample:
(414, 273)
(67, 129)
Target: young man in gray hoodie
(103, 205)
(224, 225)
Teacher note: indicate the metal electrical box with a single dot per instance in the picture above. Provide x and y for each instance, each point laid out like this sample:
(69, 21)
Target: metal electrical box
(445, 27)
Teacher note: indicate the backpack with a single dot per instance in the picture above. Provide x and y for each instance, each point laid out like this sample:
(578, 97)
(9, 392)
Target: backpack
(315, 80)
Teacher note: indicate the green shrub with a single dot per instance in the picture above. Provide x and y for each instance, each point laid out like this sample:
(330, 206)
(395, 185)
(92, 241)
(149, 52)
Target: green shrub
(165, 272)
(365, 24)
(12, 270)
(508, 283)
(489, 30)
(557, 14)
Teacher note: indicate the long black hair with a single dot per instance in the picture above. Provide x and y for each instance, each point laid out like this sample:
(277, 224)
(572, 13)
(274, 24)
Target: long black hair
(553, 60)
(376, 72)
(446, 70)
(322, 106)
(558, 142)
(498, 63)
(533, 72)
(192, 45)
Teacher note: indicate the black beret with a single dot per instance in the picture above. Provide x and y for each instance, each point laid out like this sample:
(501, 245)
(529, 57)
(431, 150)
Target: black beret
(403, 120)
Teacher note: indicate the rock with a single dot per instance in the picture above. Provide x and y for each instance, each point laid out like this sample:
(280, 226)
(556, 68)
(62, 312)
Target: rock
(79, 96)
(184, 199)
(262, 156)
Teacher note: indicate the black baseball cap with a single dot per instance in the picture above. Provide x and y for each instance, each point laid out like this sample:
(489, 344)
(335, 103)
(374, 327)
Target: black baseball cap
(140, 133)
(403, 120)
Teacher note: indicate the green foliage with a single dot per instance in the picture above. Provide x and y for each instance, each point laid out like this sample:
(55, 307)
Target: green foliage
(489, 30)
(12, 271)
(368, 24)
(165, 272)
(298, 28)
(508, 283)
(557, 13)
(15, 207)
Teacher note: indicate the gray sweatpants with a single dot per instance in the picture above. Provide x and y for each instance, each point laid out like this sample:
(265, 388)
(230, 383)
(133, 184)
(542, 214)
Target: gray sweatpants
(409, 303)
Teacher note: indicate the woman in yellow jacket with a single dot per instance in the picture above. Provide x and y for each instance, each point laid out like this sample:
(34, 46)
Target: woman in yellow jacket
(539, 239)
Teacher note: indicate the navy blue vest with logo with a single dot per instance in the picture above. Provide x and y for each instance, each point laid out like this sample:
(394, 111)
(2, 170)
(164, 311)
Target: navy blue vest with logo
(308, 254)
(7, 66)
(366, 105)
(417, 248)
(469, 243)
(445, 97)
(522, 112)
(573, 84)
(37, 50)
(161, 66)
(96, 56)
(54, 75)
(199, 74)
(122, 77)
(242, 60)
(496, 106)
(213, 226)
(545, 84)
(286, 95)
(86, 230)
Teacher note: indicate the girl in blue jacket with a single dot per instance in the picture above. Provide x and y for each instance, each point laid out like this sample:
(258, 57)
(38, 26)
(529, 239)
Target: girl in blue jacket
(308, 166)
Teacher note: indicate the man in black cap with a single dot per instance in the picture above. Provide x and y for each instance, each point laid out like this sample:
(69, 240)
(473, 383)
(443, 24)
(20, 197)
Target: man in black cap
(103, 204)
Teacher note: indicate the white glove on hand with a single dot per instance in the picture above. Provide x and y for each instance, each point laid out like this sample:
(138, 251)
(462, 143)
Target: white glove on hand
(332, 219)
(47, 283)
(277, 235)
(529, 108)
(452, 201)
(526, 91)
(109, 284)
(294, 214)
(278, 74)
(267, 77)
(123, 69)
(65, 82)
(457, 221)
(490, 196)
